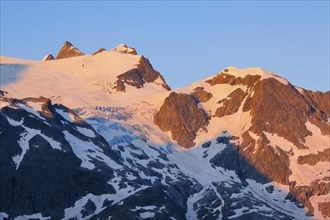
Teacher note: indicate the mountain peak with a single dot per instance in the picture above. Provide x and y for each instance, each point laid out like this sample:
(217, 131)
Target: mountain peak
(67, 44)
(123, 48)
(48, 57)
(68, 50)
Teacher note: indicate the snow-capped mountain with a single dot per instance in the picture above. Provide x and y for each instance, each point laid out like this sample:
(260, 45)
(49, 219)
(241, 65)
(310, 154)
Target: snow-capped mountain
(103, 136)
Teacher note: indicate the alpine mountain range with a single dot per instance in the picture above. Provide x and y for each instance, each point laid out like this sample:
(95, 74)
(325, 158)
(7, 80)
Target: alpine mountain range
(103, 136)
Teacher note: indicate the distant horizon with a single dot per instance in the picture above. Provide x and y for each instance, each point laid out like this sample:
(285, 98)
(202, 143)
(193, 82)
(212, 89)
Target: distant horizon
(184, 41)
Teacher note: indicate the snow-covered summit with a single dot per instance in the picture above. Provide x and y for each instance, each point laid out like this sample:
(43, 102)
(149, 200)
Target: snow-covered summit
(253, 71)
(82, 80)
(123, 48)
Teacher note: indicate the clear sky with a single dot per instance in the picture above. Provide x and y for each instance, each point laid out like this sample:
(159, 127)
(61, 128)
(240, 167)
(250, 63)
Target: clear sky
(186, 40)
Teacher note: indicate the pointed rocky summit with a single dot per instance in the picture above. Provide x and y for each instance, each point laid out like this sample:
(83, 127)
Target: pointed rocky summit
(68, 50)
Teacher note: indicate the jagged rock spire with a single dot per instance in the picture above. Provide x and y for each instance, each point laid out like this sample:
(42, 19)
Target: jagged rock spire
(68, 50)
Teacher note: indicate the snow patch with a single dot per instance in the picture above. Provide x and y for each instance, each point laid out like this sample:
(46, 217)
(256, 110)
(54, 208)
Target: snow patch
(87, 151)
(122, 193)
(24, 143)
(30, 110)
(15, 123)
(66, 115)
(85, 131)
(33, 216)
(144, 215)
(74, 212)
(137, 208)
(3, 216)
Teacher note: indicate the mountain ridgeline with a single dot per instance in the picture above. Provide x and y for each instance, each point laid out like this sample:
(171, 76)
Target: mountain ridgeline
(102, 135)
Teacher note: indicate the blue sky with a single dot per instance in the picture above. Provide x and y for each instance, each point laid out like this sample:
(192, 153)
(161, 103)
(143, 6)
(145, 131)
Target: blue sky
(186, 40)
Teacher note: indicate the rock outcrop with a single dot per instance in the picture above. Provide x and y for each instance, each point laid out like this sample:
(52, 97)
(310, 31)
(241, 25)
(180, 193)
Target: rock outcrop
(312, 159)
(202, 95)
(226, 78)
(68, 50)
(181, 116)
(141, 74)
(319, 99)
(48, 57)
(231, 104)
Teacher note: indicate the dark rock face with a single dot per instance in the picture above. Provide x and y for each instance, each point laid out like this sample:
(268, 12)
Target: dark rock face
(47, 180)
(320, 99)
(312, 159)
(68, 50)
(231, 158)
(231, 104)
(202, 95)
(271, 161)
(181, 115)
(137, 77)
(280, 109)
(48, 57)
